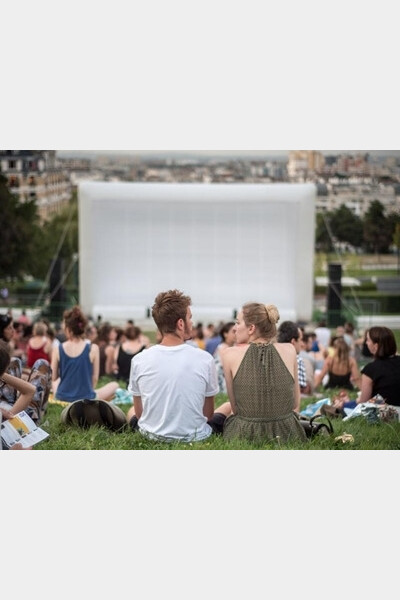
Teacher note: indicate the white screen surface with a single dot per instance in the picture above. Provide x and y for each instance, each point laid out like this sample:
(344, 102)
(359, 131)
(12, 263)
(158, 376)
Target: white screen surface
(222, 244)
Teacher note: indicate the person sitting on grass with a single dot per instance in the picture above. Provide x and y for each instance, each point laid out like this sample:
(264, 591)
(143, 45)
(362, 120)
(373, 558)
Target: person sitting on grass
(75, 363)
(125, 351)
(290, 332)
(39, 376)
(381, 375)
(23, 392)
(174, 383)
(341, 368)
(262, 379)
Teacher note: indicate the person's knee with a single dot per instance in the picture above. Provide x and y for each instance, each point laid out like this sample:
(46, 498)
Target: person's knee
(225, 409)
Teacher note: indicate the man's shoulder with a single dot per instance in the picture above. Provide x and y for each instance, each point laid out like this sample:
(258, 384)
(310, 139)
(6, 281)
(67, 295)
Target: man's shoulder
(145, 353)
(198, 351)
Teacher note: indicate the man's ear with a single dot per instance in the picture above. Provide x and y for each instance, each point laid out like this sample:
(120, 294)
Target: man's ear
(180, 324)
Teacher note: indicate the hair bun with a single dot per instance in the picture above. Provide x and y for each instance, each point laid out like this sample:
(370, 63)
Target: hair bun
(272, 312)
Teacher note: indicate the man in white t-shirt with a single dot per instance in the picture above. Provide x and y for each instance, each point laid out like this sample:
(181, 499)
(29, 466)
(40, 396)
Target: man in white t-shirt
(173, 383)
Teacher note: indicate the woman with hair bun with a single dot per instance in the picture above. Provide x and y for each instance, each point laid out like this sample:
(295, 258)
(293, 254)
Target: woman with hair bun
(261, 379)
(76, 362)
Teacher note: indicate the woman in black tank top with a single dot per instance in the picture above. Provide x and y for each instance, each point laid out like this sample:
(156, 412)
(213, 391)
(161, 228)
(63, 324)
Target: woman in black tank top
(125, 351)
(341, 368)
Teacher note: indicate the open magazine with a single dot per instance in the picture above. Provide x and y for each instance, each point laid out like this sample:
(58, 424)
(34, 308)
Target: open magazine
(23, 430)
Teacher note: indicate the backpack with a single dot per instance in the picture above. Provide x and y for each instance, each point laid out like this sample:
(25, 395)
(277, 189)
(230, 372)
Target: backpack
(84, 413)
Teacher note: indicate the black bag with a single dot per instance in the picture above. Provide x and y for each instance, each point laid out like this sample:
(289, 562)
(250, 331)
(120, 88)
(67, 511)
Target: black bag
(312, 428)
(85, 413)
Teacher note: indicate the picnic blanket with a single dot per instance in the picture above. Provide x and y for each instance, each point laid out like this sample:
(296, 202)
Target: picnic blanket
(315, 408)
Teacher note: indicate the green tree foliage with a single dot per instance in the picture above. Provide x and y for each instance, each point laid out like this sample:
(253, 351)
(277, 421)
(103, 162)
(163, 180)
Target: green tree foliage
(346, 226)
(396, 239)
(378, 232)
(59, 239)
(323, 242)
(19, 225)
(396, 235)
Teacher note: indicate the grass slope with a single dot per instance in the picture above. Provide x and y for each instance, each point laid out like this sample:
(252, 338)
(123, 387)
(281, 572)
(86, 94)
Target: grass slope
(381, 436)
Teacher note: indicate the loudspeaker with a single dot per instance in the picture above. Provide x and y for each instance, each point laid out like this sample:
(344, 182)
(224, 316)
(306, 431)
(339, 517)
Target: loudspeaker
(334, 295)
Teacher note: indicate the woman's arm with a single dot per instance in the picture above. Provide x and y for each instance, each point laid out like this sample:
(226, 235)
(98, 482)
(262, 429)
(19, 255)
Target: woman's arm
(366, 389)
(26, 392)
(115, 369)
(109, 352)
(355, 373)
(55, 361)
(325, 368)
(297, 392)
(226, 359)
(48, 348)
(95, 359)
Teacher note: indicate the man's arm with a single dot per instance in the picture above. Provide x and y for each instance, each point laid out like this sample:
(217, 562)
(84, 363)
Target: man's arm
(208, 408)
(138, 406)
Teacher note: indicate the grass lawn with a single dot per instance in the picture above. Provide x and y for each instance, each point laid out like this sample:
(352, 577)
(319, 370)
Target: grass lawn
(382, 436)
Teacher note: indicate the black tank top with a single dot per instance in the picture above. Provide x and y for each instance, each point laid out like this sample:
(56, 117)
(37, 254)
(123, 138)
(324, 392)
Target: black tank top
(124, 363)
(339, 381)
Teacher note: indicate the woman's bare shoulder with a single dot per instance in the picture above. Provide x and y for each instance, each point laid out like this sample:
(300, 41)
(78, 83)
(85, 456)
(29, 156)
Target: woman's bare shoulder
(230, 353)
(285, 348)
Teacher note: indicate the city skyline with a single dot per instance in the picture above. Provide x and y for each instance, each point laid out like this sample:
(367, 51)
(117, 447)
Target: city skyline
(210, 154)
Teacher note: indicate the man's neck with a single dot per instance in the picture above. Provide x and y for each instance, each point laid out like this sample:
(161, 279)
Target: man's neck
(172, 339)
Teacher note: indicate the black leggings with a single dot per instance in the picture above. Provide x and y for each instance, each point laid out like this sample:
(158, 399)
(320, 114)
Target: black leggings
(216, 423)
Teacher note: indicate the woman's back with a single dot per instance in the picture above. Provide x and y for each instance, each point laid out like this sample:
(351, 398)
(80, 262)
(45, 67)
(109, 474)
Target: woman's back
(341, 366)
(76, 371)
(264, 397)
(38, 347)
(124, 358)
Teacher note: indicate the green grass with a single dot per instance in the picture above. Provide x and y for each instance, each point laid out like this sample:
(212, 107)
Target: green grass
(382, 436)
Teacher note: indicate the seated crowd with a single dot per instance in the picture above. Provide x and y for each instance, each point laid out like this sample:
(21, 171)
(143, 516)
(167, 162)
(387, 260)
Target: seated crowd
(262, 367)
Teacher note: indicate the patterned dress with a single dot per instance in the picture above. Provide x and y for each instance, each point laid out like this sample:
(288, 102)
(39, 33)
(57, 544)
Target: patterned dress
(264, 396)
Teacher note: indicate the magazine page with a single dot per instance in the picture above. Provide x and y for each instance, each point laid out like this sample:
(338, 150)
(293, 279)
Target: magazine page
(23, 430)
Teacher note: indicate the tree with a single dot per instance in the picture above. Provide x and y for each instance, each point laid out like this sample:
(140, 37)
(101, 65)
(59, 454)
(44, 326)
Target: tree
(346, 226)
(323, 241)
(377, 230)
(19, 225)
(396, 240)
(59, 239)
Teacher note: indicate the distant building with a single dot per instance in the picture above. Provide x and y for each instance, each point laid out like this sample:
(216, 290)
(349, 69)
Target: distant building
(36, 175)
(304, 163)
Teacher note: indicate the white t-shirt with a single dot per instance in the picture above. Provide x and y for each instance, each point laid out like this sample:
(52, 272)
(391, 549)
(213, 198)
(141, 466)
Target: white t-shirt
(173, 382)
